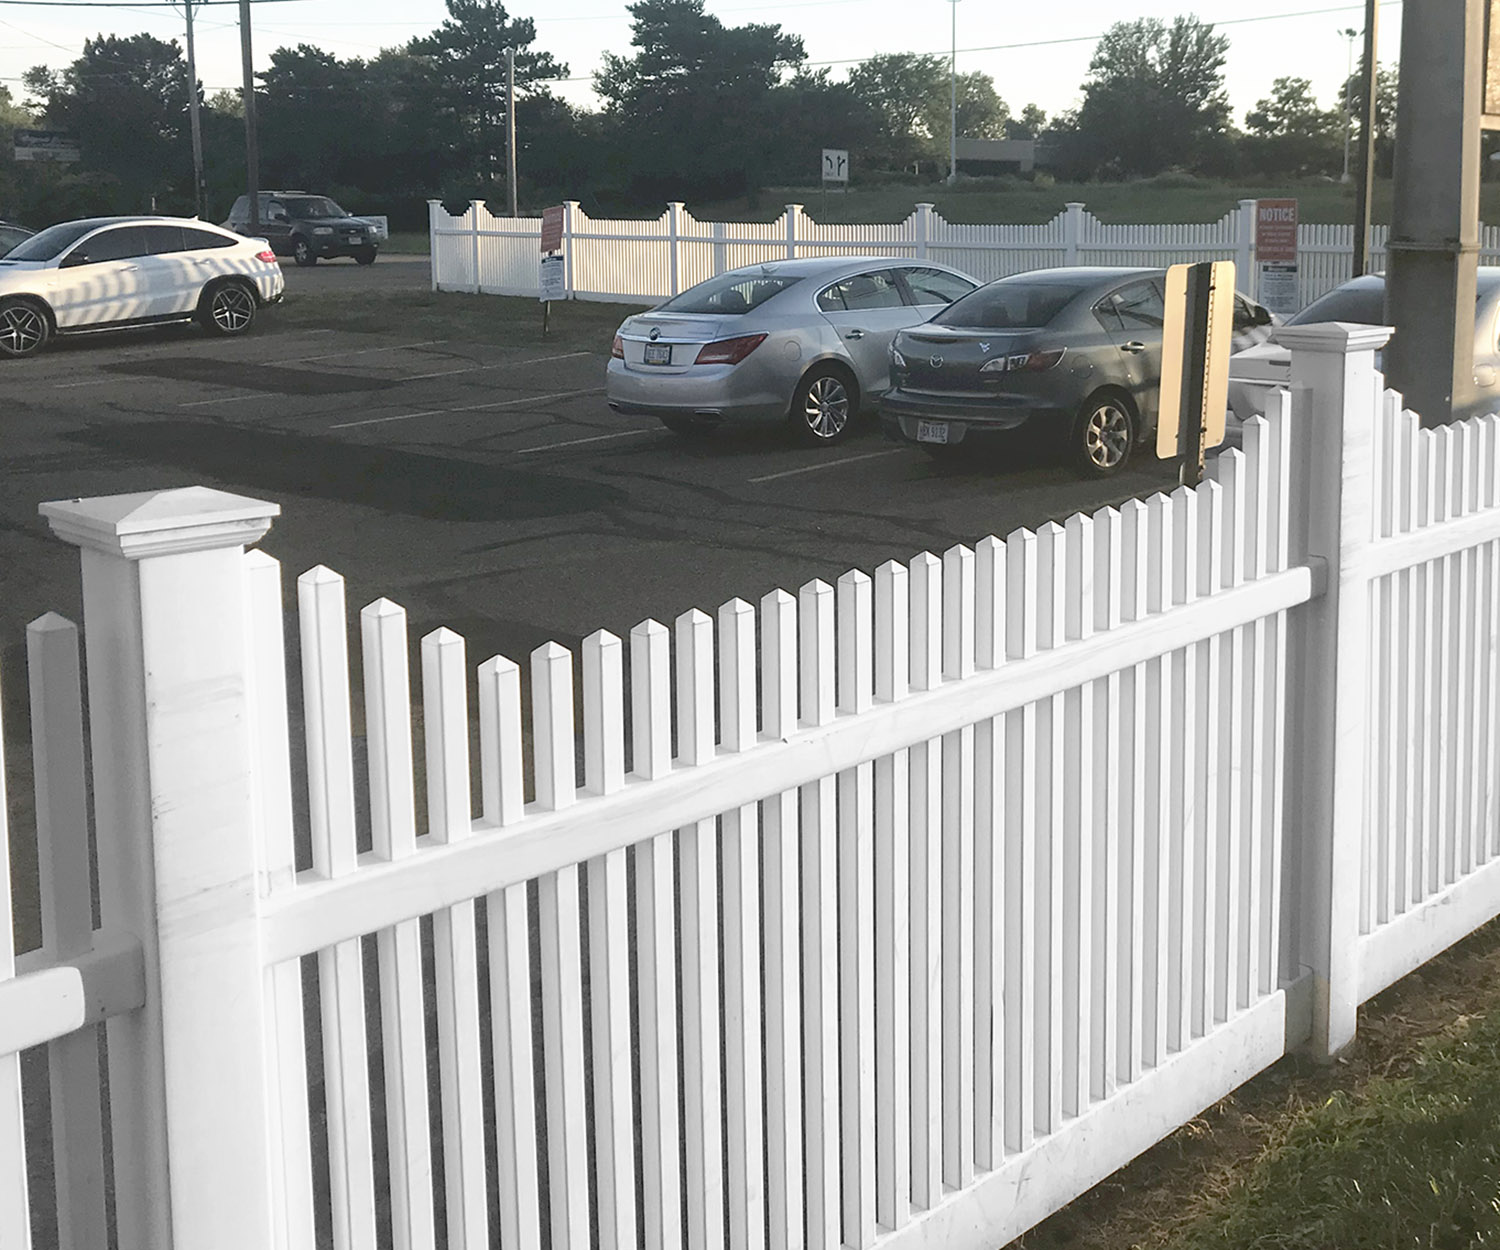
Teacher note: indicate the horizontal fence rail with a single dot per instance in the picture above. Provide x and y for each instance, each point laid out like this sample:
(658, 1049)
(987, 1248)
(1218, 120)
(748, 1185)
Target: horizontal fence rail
(648, 261)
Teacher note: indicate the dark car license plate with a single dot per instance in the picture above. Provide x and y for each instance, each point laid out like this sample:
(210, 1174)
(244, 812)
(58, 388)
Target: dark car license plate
(658, 353)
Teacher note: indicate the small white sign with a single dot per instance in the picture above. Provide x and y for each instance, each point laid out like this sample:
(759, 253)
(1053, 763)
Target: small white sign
(836, 165)
(1277, 288)
(554, 278)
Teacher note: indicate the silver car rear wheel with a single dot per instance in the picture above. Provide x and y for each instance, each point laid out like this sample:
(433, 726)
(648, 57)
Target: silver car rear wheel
(1104, 437)
(823, 406)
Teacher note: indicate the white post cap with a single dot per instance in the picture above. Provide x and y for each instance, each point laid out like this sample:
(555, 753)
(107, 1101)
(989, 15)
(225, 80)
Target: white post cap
(1335, 337)
(161, 522)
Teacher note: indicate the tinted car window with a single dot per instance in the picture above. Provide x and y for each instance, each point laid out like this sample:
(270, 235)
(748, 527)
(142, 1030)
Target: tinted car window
(728, 293)
(121, 243)
(1140, 306)
(1363, 305)
(935, 286)
(1009, 305)
(867, 290)
(52, 242)
(313, 208)
(10, 236)
(161, 240)
(195, 240)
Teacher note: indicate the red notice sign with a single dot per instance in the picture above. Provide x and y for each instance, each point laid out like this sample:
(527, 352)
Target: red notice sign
(1275, 231)
(552, 227)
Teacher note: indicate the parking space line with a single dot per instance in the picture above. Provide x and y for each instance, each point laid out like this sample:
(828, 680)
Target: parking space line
(829, 464)
(226, 399)
(504, 364)
(575, 442)
(363, 351)
(442, 412)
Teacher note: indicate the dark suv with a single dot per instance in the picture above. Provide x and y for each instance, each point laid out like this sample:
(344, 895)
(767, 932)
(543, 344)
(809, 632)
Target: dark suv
(306, 227)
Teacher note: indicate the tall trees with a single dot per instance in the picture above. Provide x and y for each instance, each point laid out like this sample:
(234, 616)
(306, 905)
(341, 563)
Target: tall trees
(693, 107)
(1289, 134)
(1154, 97)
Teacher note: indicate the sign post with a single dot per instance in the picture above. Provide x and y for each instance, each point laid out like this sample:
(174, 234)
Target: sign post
(835, 169)
(1276, 255)
(1195, 348)
(553, 277)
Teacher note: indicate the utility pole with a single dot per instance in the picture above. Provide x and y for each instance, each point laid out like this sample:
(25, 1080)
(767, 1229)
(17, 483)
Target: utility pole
(510, 124)
(252, 143)
(1350, 35)
(1365, 189)
(193, 118)
(953, 101)
(1434, 244)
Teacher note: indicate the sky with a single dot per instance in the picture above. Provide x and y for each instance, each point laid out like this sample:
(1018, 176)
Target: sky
(1036, 54)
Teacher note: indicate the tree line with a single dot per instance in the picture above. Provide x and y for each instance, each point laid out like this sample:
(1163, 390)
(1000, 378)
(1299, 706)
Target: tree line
(695, 110)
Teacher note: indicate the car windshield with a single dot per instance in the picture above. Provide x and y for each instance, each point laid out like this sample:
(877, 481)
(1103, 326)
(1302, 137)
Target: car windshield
(1010, 305)
(314, 208)
(1362, 305)
(51, 242)
(729, 293)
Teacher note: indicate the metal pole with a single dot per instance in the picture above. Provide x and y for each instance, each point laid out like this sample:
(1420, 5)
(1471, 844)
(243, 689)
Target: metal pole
(953, 101)
(252, 143)
(1434, 245)
(510, 124)
(1350, 35)
(197, 128)
(1364, 191)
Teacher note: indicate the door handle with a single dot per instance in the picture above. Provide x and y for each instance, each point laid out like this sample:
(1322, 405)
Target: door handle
(855, 334)
(1134, 347)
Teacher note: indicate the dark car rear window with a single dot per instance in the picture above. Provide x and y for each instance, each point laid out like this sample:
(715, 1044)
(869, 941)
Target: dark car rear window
(1010, 305)
(728, 293)
(1360, 305)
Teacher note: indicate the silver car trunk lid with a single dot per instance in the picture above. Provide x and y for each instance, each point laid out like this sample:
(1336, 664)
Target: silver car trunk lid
(670, 343)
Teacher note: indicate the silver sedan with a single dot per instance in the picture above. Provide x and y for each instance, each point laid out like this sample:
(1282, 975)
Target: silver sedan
(805, 341)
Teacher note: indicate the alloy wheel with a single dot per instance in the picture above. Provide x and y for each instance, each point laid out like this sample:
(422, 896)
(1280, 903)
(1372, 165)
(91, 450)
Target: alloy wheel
(233, 308)
(826, 410)
(23, 329)
(1106, 437)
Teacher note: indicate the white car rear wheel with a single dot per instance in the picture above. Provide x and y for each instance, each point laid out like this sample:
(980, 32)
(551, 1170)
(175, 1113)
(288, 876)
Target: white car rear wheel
(227, 308)
(24, 327)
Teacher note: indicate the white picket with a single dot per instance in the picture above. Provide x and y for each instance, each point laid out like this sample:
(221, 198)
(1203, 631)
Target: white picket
(1182, 940)
(561, 950)
(1109, 925)
(1051, 629)
(743, 1117)
(455, 943)
(656, 936)
(1130, 763)
(819, 926)
(926, 875)
(1278, 518)
(330, 776)
(854, 677)
(989, 868)
(892, 964)
(62, 827)
(508, 921)
(1160, 707)
(399, 948)
(609, 951)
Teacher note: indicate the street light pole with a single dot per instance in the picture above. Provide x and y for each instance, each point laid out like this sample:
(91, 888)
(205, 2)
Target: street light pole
(196, 125)
(953, 101)
(252, 142)
(1350, 35)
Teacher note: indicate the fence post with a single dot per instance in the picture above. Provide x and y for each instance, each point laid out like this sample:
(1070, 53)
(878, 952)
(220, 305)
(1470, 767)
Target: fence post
(793, 211)
(571, 210)
(432, 240)
(674, 234)
(474, 207)
(721, 250)
(168, 677)
(1072, 231)
(1244, 250)
(924, 229)
(1336, 394)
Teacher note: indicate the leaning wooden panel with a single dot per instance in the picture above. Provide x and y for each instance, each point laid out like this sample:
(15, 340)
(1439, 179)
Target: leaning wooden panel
(62, 826)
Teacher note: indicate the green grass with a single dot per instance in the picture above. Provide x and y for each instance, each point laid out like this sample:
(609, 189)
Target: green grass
(409, 243)
(576, 325)
(1171, 199)
(1408, 1161)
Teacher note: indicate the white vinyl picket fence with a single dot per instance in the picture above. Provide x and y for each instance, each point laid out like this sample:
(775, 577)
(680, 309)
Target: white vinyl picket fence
(647, 261)
(892, 913)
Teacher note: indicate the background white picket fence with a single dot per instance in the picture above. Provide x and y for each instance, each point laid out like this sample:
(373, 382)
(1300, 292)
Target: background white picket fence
(647, 261)
(887, 914)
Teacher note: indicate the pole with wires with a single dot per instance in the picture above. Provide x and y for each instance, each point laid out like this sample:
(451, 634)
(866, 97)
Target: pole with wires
(193, 118)
(510, 125)
(953, 100)
(252, 143)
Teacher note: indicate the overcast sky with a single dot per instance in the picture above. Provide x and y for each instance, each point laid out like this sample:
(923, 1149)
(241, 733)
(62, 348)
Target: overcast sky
(1036, 53)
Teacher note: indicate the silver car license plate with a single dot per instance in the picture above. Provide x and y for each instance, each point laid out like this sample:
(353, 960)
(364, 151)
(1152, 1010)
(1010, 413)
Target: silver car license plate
(932, 431)
(658, 353)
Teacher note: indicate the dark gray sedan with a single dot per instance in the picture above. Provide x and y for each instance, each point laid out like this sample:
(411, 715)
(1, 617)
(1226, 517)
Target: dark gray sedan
(1074, 353)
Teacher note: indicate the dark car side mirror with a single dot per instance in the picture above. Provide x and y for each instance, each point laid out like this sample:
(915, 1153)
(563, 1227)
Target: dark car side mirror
(1261, 315)
(74, 258)
(279, 216)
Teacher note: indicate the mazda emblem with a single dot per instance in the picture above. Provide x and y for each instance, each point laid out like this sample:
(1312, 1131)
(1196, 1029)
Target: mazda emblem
(935, 361)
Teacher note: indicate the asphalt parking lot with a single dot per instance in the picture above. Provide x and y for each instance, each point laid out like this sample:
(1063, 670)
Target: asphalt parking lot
(478, 480)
